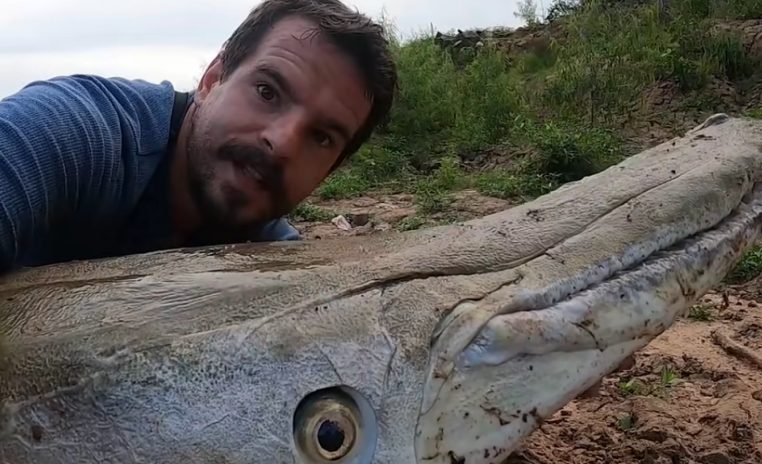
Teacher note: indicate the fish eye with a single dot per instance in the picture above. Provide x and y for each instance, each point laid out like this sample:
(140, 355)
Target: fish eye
(335, 425)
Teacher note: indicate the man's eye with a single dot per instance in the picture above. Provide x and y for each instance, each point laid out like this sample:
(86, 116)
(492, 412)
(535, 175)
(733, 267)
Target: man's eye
(265, 91)
(323, 139)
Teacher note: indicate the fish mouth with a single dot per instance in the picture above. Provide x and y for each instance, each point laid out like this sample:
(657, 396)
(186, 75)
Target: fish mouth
(502, 364)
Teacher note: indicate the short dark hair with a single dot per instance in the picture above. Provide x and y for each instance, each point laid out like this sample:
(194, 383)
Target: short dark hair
(363, 40)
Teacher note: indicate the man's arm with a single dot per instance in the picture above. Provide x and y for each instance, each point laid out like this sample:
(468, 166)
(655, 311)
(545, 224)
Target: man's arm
(278, 230)
(64, 147)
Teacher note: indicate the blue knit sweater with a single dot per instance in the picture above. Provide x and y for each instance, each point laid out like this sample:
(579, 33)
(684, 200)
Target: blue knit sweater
(84, 171)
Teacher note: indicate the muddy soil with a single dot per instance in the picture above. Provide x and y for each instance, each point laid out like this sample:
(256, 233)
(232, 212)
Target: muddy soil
(684, 399)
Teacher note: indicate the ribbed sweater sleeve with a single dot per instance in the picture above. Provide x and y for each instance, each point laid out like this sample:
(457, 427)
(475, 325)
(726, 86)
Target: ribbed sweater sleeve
(68, 152)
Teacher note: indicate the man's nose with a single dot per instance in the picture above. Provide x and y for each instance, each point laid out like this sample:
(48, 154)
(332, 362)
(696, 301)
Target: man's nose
(283, 137)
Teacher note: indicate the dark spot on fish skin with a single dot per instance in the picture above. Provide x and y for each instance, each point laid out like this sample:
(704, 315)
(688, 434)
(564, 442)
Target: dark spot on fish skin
(536, 416)
(37, 432)
(486, 453)
(673, 172)
(495, 412)
(457, 387)
(531, 368)
(465, 416)
(10, 298)
(524, 417)
(455, 459)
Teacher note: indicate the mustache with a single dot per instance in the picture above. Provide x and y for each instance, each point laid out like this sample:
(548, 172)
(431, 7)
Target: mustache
(255, 158)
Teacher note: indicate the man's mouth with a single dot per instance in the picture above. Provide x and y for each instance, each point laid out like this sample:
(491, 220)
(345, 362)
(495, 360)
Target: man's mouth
(249, 170)
(249, 177)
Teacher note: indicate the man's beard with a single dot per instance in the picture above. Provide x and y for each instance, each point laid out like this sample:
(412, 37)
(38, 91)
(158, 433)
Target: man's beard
(219, 220)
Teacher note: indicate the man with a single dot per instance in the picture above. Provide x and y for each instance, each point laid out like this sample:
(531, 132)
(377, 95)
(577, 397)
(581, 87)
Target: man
(93, 167)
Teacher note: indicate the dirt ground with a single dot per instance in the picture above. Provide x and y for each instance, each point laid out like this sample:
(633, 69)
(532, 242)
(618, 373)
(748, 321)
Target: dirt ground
(684, 399)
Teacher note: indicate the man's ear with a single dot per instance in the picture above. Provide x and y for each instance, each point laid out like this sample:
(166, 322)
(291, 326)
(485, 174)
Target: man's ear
(211, 78)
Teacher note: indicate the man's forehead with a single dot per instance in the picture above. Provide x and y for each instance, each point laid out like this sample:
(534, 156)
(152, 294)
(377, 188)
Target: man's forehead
(296, 30)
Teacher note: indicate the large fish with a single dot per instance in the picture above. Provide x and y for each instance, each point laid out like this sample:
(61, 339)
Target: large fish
(447, 345)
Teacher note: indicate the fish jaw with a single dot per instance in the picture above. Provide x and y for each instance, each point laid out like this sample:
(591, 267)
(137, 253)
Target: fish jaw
(503, 364)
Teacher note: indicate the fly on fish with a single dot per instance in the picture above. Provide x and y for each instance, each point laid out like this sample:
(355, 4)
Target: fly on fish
(438, 346)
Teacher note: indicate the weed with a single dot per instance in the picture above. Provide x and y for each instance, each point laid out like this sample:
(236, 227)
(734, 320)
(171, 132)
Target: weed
(311, 213)
(342, 184)
(749, 267)
(430, 197)
(569, 154)
(633, 386)
(505, 184)
(700, 312)
(668, 377)
(626, 422)
(411, 223)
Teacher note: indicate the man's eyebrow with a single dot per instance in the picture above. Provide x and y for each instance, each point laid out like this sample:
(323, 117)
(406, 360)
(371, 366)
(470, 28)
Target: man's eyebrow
(275, 75)
(338, 127)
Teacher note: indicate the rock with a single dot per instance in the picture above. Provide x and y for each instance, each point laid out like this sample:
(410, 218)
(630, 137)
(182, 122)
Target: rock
(654, 434)
(715, 457)
(359, 220)
(626, 364)
(592, 392)
(341, 223)
(757, 395)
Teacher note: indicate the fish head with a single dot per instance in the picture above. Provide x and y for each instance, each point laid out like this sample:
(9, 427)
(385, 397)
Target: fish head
(442, 346)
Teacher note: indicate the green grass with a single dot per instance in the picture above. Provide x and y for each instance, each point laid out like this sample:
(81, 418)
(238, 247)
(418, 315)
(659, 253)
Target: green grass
(561, 106)
(659, 387)
(311, 213)
(748, 268)
(626, 422)
(700, 312)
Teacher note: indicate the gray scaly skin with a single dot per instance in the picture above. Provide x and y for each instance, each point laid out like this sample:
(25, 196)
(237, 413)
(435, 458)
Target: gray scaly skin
(439, 346)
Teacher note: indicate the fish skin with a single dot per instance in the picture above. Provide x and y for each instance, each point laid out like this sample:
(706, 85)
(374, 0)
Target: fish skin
(449, 344)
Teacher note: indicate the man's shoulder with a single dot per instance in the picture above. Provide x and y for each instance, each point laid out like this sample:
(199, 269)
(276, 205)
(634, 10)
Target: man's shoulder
(138, 109)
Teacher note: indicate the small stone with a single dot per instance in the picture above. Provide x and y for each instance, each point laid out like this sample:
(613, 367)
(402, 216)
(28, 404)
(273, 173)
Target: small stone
(626, 364)
(757, 395)
(341, 223)
(715, 457)
(752, 304)
(652, 434)
(592, 392)
(359, 220)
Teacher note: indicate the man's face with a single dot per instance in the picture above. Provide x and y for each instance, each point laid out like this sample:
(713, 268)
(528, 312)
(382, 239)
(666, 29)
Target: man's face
(262, 140)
